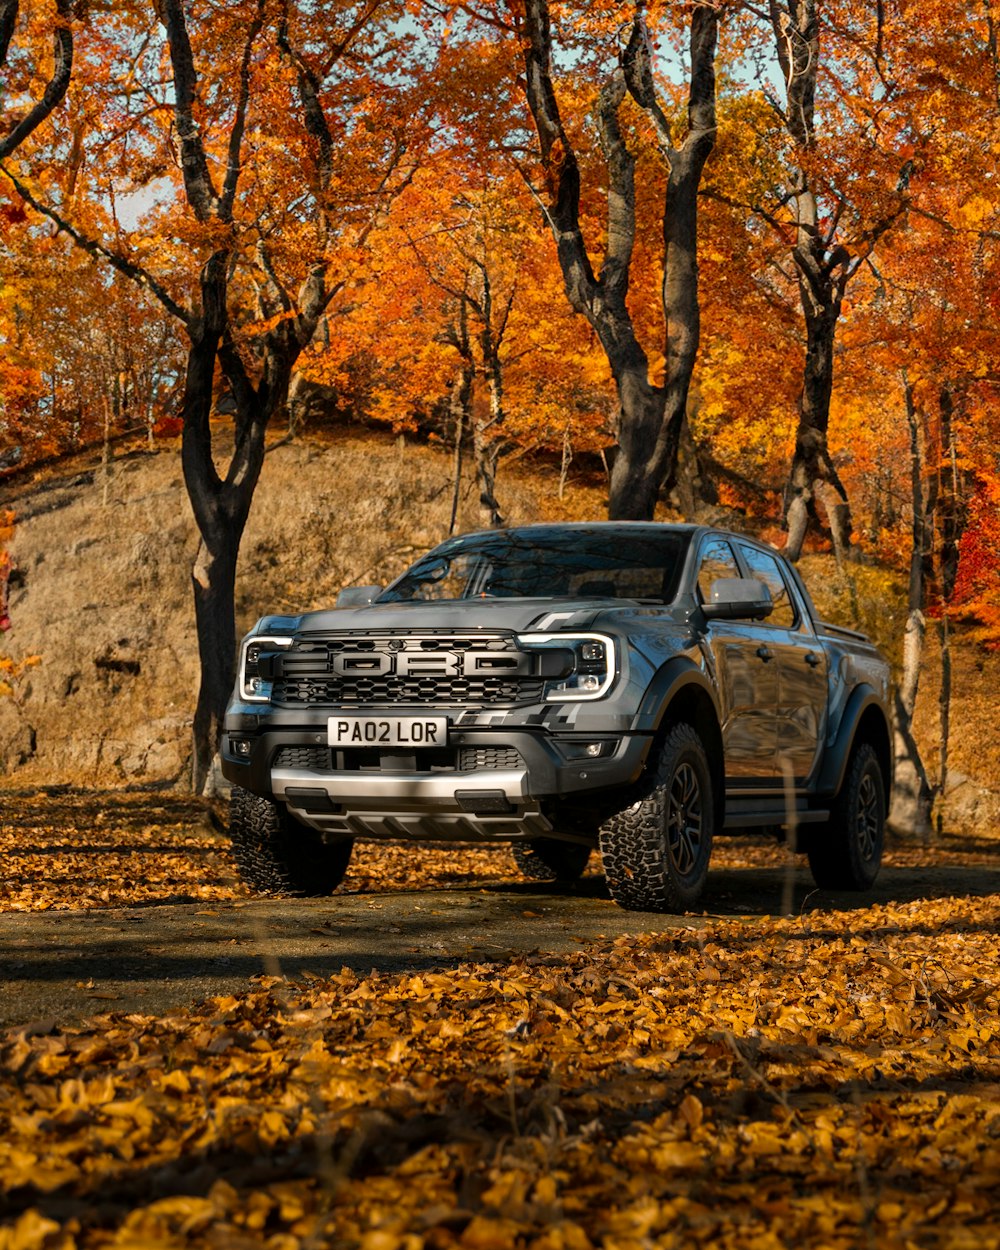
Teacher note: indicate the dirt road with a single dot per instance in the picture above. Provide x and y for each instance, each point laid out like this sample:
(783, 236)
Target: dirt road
(58, 966)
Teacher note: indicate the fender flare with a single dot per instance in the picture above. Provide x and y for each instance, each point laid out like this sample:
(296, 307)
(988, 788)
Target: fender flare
(668, 681)
(675, 682)
(836, 754)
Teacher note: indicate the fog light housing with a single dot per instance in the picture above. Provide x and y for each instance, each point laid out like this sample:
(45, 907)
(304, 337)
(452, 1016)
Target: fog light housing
(599, 749)
(240, 747)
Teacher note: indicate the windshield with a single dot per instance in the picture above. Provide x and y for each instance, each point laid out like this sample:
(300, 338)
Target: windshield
(620, 562)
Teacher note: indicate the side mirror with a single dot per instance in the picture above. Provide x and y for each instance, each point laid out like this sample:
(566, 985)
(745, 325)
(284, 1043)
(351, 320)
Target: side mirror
(738, 599)
(357, 596)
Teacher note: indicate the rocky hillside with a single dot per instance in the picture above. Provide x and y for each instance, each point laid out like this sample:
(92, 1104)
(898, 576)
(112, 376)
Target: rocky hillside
(101, 596)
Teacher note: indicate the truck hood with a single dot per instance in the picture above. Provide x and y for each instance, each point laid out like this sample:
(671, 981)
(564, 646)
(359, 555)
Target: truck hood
(516, 615)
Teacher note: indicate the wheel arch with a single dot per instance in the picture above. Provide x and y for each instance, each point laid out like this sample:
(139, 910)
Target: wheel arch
(681, 693)
(864, 720)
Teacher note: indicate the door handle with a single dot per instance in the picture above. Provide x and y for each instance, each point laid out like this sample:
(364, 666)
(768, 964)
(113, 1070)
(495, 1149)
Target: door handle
(812, 659)
(764, 653)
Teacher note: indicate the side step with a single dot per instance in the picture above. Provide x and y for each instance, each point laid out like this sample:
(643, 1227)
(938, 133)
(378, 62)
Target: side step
(753, 813)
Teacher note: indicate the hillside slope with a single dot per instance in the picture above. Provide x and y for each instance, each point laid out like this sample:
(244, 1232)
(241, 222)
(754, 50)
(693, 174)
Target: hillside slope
(102, 593)
(102, 596)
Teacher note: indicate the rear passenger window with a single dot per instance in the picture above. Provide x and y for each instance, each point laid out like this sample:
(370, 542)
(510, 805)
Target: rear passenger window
(717, 560)
(766, 569)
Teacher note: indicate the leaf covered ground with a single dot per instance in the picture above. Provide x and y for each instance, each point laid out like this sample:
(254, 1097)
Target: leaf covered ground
(827, 1080)
(76, 849)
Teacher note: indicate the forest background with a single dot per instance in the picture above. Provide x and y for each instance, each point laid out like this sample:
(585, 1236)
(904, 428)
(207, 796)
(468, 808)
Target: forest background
(724, 262)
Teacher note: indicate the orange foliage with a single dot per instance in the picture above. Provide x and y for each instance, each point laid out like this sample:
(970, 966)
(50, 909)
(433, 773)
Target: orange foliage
(900, 100)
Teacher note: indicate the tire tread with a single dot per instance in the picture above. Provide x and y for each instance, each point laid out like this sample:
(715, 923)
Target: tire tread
(632, 841)
(276, 855)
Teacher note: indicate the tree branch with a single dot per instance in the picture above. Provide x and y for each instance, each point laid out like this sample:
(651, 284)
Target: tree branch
(637, 64)
(562, 172)
(94, 248)
(8, 24)
(614, 277)
(309, 88)
(56, 87)
(239, 121)
(198, 185)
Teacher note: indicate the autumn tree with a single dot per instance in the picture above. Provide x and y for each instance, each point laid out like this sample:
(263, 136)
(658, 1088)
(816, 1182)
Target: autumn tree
(651, 414)
(287, 154)
(87, 356)
(461, 332)
(840, 195)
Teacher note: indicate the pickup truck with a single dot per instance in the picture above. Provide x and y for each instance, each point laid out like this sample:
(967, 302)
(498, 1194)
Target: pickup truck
(634, 687)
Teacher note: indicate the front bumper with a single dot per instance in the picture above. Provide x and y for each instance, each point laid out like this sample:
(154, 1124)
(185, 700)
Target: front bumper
(409, 797)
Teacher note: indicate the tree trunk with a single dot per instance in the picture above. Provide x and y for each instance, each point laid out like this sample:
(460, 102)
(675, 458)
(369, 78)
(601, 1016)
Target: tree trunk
(488, 435)
(811, 462)
(650, 416)
(944, 705)
(951, 512)
(913, 794)
(694, 490)
(461, 395)
(823, 270)
(220, 505)
(213, 580)
(566, 461)
(635, 481)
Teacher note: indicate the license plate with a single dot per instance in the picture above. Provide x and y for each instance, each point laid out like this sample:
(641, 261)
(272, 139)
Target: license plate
(388, 731)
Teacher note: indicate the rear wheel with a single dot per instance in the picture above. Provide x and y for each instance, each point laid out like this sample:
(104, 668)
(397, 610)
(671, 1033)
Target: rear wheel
(277, 855)
(846, 852)
(656, 849)
(549, 859)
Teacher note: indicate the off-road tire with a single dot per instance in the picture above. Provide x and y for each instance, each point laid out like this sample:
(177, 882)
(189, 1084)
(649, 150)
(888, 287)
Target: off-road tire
(846, 851)
(277, 855)
(549, 859)
(657, 847)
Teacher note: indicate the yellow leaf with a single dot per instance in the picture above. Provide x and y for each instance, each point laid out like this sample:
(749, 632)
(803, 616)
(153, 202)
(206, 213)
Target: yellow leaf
(29, 1233)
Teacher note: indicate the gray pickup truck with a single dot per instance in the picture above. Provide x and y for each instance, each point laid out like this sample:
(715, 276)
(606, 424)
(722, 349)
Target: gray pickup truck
(634, 687)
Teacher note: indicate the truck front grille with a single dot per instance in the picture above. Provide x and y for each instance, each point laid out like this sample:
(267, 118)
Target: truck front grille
(380, 669)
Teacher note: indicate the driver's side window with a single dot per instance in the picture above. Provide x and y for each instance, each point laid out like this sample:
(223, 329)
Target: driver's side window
(717, 560)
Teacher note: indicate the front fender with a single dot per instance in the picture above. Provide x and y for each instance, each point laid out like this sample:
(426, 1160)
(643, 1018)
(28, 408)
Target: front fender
(678, 674)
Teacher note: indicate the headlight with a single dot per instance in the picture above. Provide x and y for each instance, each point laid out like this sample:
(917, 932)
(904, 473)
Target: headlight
(593, 664)
(256, 673)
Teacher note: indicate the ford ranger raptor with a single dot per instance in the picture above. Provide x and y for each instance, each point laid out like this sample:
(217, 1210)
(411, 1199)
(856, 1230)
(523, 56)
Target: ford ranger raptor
(633, 687)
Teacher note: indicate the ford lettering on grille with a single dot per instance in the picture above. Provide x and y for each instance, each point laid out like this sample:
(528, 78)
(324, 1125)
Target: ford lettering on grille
(413, 669)
(429, 663)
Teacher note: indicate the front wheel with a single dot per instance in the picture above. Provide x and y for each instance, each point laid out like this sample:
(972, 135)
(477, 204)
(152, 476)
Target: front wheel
(656, 849)
(275, 854)
(845, 853)
(549, 859)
